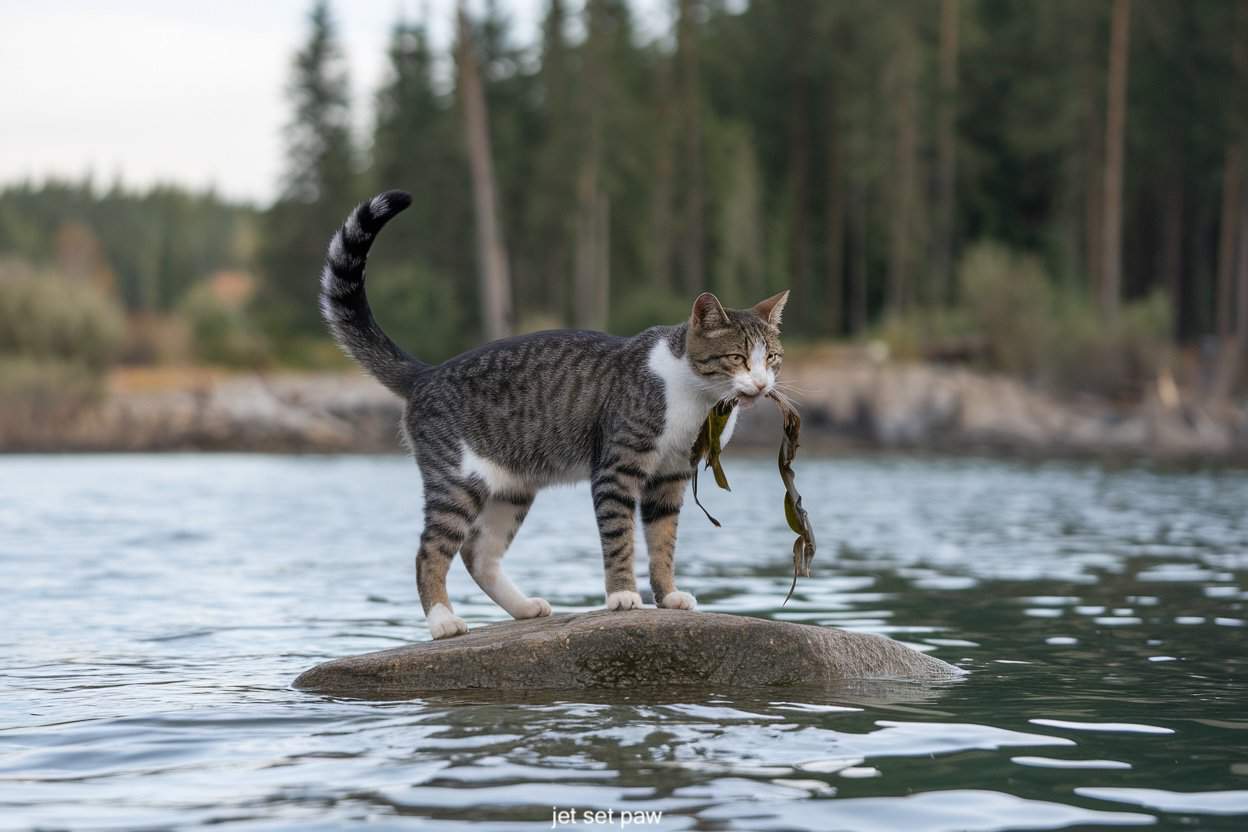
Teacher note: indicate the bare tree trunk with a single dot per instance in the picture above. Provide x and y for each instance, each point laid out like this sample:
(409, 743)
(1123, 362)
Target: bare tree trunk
(799, 199)
(905, 190)
(1232, 316)
(947, 151)
(694, 233)
(834, 288)
(1171, 261)
(1231, 183)
(590, 291)
(664, 176)
(1232, 344)
(1115, 127)
(1093, 206)
(1241, 319)
(491, 251)
(858, 261)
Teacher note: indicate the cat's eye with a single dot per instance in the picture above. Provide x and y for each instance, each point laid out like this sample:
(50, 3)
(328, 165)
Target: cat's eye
(735, 358)
(773, 357)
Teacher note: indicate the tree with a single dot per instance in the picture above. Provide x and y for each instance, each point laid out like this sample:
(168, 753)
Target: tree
(947, 97)
(901, 85)
(495, 278)
(1115, 126)
(691, 190)
(319, 185)
(551, 206)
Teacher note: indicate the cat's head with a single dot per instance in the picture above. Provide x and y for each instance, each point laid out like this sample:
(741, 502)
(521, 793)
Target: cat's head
(736, 352)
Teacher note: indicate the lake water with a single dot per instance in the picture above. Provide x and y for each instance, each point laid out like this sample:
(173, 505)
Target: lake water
(156, 608)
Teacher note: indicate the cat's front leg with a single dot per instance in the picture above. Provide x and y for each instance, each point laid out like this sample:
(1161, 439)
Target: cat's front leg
(661, 499)
(615, 486)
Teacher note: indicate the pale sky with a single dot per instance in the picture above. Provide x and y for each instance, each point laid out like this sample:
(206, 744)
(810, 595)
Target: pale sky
(187, 92)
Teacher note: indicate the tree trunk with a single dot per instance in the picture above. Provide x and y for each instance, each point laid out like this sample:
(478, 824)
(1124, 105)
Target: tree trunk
(1094, 201)
(491, 252)
(858, 261)
(834, 288)
(1241, 320)
(590, 296)
(1115, 127)
(905, 172)
(693, 222)
(947, 151)
(664, 182)
(799, 201)
(1232, 175)
(1171, 260)
(1232, 313)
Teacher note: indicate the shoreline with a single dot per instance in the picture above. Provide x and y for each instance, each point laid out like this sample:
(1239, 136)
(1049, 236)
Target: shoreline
(853, 405)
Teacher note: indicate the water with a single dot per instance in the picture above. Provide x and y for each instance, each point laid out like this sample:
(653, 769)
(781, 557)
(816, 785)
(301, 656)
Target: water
(156, 609)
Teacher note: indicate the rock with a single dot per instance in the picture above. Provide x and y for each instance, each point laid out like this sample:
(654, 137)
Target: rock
(636, 648)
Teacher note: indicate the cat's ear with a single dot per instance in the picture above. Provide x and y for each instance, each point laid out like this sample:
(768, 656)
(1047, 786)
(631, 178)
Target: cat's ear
(708, 313)
(772, 309)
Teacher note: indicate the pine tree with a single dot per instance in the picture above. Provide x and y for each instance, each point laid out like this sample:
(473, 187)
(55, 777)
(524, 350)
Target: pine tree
(319, 185)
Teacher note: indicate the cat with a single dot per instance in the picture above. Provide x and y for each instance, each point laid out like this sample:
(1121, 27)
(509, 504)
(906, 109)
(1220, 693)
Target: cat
(490, 427)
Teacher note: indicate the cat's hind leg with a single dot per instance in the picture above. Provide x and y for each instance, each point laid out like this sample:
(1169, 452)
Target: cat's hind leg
(491, 534)
(451, 507)
(661, 498)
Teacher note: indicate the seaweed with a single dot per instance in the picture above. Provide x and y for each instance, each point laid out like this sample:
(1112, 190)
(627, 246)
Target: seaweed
(794, 513)
(708, 447)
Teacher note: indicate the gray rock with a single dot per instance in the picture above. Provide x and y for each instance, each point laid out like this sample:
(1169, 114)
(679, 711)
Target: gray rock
(627, 649)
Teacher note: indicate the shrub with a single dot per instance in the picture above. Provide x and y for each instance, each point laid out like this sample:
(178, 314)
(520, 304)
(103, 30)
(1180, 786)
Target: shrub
(47, 317)
(1119, 358)
(221, 331)
(38, 395)
(1009, 304)
(1018, 324)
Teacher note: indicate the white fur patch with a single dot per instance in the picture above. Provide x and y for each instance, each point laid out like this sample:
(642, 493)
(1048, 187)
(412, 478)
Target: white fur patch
(497, 479)
(624, 600)
(443, 623)
(679, 601)
(758, 379)
(687, 397)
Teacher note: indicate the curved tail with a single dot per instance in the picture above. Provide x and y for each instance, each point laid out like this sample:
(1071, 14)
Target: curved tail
(344, 306)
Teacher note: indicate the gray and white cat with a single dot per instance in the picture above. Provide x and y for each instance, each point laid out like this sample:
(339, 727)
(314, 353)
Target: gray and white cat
(492, 426)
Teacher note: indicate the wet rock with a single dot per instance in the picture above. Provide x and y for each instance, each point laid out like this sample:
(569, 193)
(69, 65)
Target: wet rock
(637, 648)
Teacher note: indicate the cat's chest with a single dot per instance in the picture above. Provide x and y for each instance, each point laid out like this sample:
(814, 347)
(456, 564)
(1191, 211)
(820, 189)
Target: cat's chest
(685, 401)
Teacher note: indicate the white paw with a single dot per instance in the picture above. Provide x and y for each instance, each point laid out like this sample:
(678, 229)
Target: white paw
(533, 608)
(678, 600)
(624, 600)
(443, 623)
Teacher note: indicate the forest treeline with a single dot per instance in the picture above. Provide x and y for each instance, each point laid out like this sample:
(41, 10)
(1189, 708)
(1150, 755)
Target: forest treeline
(947, 173)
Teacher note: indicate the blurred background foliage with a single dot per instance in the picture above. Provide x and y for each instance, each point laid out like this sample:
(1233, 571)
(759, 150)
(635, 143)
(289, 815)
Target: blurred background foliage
(1048, 189)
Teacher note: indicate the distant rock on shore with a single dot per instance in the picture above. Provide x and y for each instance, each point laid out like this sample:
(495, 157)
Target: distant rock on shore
(938, 408)
(637, 648)
(876, 405)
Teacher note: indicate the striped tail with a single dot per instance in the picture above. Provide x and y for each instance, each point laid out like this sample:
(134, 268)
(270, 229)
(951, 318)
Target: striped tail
(344, 306)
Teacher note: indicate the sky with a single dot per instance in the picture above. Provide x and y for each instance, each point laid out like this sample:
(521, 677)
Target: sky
(186, 92)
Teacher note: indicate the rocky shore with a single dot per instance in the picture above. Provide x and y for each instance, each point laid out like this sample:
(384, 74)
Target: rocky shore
(855, 403)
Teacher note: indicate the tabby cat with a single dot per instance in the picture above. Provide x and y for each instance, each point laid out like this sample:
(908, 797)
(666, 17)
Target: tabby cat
(492, 426)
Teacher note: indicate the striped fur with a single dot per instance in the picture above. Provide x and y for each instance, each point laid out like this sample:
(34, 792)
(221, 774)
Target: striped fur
(491, 427)
(344, 305)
